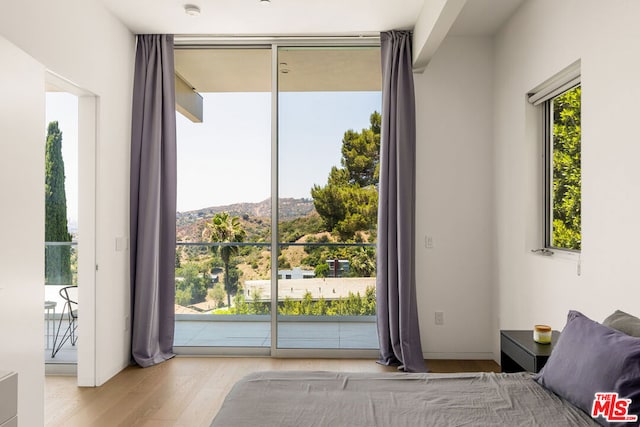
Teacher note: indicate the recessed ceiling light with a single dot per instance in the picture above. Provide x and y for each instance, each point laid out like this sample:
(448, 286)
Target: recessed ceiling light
(191, 10)
(265, 1)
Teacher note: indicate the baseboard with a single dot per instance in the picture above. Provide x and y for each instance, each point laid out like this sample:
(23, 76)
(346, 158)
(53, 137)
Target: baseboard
(459, 356)
(61, 369)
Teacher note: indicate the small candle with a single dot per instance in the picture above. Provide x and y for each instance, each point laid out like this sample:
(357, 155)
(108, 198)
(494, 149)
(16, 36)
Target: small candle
(542, 334)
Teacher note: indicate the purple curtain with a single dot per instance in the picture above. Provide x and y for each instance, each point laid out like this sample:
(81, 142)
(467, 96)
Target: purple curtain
(398, 330)
(153, 201)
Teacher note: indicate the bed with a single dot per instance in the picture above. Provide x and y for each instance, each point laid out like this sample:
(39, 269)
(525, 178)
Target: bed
(278, 399)
(585, 360)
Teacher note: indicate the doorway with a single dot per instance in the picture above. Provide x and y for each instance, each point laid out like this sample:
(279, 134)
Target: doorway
(70, 255)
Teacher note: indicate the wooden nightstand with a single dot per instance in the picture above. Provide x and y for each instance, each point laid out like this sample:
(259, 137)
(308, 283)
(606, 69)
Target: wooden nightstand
(519, 352)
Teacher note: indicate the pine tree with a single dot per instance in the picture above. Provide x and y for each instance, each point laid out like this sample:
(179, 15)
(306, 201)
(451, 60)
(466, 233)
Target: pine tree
(348, 203)
(57, 258)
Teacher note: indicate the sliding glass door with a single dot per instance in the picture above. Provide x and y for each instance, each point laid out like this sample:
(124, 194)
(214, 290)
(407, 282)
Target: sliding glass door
(288, 133)
(328, 146)
(224, 198)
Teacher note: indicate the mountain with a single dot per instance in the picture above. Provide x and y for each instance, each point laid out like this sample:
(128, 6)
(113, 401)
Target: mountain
(255, 217)
(289, 209)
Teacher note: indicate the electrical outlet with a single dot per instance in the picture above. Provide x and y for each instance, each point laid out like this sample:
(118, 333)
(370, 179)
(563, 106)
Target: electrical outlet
(428, 242)
(122, 244)
(439, 318)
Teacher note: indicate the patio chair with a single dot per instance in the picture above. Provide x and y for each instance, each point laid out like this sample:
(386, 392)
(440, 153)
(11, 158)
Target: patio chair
(70, 314)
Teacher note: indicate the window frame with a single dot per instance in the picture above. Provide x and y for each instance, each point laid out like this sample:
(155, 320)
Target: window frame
(542, 97)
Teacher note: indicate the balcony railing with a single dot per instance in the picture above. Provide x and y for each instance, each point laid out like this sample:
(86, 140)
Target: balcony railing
(314, 279)
(61, 269)
(61, 263)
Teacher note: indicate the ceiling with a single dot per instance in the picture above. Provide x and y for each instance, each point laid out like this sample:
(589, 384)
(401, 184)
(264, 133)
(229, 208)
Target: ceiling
(303, 70)
(483, 17)
(279, 17)
(299, 17)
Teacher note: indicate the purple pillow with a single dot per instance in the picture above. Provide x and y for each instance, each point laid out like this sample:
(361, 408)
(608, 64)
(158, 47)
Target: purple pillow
(623, 322)
(590, 358)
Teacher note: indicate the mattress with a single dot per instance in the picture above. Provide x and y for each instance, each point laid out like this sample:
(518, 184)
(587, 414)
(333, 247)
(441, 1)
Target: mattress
(286, 398)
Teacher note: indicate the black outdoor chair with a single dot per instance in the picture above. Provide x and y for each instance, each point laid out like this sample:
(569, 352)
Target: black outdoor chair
(70, 314)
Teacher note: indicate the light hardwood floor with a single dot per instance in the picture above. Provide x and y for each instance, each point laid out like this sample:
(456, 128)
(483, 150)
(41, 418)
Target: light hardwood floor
(187, 391)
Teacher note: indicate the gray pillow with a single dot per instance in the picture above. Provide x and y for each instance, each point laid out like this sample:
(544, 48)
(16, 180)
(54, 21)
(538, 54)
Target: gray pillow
(590, 358)
(624, 322)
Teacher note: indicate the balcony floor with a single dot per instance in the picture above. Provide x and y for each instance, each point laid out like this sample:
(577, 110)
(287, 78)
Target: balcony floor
(291, 334)
(228, 333)
(68, 354)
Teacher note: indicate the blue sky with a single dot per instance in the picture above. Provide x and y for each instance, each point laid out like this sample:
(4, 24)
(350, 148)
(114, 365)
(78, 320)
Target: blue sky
(226, 159)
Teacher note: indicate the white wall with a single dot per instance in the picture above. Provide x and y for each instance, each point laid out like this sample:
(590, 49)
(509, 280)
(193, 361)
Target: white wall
(22, 213)
(542, 38)
(454, 200)
(82, 42)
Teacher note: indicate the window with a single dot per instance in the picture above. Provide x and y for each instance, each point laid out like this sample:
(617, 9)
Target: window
(562, 166)
(559, 100)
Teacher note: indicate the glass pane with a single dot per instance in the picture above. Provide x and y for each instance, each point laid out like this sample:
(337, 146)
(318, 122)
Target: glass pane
(61, 223)
(566, 191)
(329, 138)
(224, 206)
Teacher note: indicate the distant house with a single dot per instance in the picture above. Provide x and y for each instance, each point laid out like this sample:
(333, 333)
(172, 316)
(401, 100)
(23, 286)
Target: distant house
(338, 267)
(296, 273)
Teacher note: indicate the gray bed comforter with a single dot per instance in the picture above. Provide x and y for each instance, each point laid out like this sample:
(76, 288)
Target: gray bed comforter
(394, 399)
